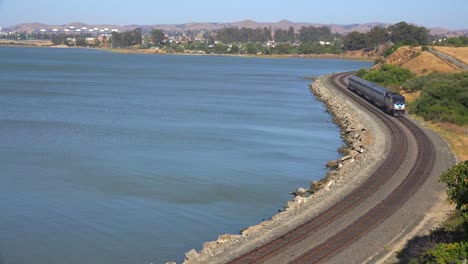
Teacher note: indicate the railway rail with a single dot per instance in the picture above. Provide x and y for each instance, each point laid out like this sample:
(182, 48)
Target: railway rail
(369, 220)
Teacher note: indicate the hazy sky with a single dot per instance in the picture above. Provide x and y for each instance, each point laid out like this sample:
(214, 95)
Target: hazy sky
(451, 14)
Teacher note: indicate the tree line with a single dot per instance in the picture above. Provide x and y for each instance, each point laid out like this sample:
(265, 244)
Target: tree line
(126, 39)
(245, 35)
(401, 34)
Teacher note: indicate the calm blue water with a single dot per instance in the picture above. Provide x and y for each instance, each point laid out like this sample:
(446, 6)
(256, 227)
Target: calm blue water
(111, 158)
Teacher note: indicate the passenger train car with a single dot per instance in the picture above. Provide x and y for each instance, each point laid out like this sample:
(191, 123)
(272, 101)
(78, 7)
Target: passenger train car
(393, 103)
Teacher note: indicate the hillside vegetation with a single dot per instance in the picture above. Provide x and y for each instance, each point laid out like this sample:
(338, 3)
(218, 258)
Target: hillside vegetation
(443, 97)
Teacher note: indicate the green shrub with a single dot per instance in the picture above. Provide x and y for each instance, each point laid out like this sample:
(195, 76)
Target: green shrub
(447, 253)
(456, 179)
(361, 72)
(444, 97)
(388, 75)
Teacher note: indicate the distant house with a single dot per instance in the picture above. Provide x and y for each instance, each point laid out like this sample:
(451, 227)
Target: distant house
(90, 41)
(270, 44)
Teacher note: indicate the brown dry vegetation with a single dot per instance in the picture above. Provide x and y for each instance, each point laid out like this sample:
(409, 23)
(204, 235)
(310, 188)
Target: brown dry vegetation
(461, 53)
(419, 62)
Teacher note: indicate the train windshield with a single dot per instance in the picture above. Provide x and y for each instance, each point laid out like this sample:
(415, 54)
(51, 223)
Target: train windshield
(398, 99)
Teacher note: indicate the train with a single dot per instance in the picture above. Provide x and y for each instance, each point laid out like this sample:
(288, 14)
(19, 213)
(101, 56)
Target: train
(392, 103)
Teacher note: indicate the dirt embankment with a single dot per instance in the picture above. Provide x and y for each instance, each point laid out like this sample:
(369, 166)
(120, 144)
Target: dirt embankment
(423, 62)
(460, 53)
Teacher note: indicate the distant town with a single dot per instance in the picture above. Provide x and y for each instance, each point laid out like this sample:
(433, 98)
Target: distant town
(250, 37)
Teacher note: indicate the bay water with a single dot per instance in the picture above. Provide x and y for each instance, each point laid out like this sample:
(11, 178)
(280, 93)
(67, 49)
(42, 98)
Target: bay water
(118, 158)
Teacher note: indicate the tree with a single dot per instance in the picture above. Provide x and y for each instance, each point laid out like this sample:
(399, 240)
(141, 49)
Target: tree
(136, 37)
(126, 39)
(157, 36)
(456, 179)
(314, 34)
(356, 41)
(251, 48)
(282, 35)
(80, 41)
(234, 49)
(408, 34)
(116, 40)
(292, 33)
(378, 35)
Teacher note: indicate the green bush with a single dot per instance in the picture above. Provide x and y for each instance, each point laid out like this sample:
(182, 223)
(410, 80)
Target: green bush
(388, 75)
(361, 72)
(444, 97)
(447, 253)
(456, 179)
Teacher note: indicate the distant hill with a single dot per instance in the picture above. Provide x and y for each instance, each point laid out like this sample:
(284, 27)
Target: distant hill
(283, 24)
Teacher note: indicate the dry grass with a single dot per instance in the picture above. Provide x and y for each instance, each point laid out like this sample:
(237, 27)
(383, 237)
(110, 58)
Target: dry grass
(419, 62)
(411, 96)
(456, 136)
(427, 62)
(461, 53)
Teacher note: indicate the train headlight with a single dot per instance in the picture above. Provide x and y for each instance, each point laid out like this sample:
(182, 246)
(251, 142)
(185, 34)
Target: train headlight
(399, 106)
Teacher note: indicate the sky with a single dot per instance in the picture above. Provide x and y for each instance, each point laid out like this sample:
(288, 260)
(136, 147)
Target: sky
(452, 14)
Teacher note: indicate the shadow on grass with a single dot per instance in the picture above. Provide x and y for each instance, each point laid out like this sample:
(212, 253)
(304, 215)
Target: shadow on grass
(416, 247)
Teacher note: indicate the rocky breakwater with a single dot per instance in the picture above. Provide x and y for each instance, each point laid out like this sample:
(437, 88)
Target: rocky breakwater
(364, 147)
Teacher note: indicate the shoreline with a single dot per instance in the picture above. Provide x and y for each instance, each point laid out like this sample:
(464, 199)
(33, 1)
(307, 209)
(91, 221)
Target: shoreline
(365, 145)
(276, 56)
(156, 52)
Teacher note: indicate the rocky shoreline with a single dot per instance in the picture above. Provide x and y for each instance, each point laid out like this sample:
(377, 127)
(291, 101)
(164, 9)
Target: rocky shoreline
(364, 147)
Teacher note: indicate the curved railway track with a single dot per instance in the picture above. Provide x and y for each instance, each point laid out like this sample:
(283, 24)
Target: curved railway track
(366, 222)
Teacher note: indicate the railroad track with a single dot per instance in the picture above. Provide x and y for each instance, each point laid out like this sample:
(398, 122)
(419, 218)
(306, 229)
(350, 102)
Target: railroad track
(369, 220)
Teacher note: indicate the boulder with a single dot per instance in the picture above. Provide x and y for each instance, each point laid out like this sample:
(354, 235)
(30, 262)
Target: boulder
(191, 255)
(226, 238)
(328, 185)
(315, 184)
(332, 164)
(301, 192)
(250, 230)
(361, 150)
(209, 248)
(300, 199)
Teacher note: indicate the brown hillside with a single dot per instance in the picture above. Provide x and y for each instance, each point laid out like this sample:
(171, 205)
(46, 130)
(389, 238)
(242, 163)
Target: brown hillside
(419, 62)
(461, 53)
